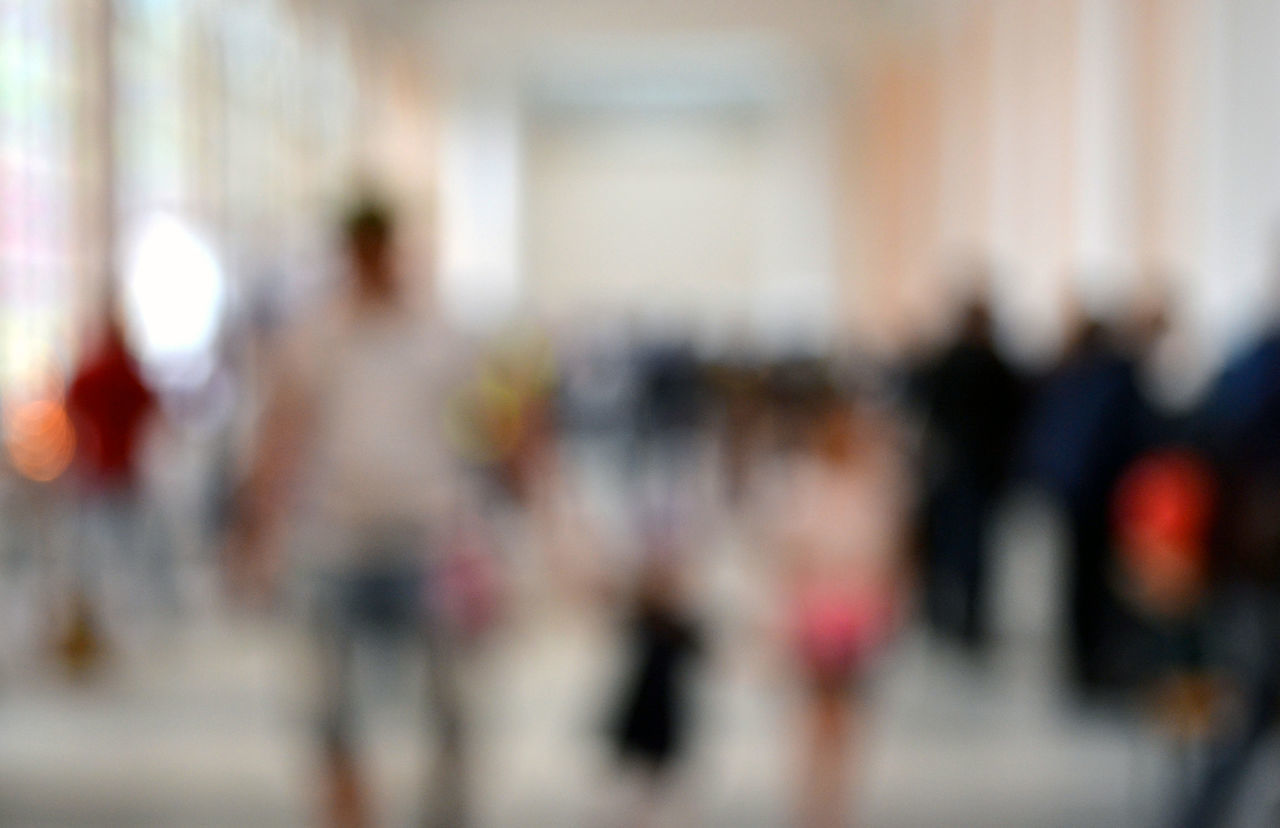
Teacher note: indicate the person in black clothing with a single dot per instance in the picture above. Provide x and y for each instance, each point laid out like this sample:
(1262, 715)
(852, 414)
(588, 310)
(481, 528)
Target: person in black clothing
(971, 401)
(652, 719)
(1086, 427)
(1242, 422)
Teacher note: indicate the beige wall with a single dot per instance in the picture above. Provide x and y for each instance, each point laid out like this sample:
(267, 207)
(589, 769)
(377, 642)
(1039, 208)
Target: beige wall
(1098, 152)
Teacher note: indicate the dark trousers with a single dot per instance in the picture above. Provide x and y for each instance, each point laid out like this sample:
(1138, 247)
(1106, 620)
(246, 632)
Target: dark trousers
(958, 537)
(1091, 608)
(1252, 630)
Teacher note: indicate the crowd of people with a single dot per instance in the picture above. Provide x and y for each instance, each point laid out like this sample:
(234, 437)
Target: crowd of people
(390, 448)
(1172, 534)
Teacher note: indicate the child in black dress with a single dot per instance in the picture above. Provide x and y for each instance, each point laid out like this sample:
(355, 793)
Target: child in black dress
(651, 723)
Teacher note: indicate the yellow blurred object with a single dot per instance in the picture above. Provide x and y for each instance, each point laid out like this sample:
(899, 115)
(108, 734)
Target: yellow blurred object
(1187, 705)
(79, 644)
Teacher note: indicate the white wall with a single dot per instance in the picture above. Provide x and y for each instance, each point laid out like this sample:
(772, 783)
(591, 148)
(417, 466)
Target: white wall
(677, 183)
(644, 215)
(1235, 290)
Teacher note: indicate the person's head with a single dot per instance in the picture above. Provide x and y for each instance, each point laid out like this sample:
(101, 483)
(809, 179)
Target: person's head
(659, 584)
(369, 232)
(976, 324)
(835, 432)
(1087, 336)
(1151, 321)
(106, 329)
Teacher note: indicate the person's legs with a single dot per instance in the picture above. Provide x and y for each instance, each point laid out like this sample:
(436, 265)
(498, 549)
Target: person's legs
(1230, 759)
(83, 587)
(958, 529)
(446, 796)
(1087, 598)
(1254, 628)
(975, 571)
(933, 542)
(825, 766)
(343, 790)
(655, 787)
(159, 542)
(141, 558)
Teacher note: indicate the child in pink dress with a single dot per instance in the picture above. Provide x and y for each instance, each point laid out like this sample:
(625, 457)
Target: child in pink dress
(842, 529)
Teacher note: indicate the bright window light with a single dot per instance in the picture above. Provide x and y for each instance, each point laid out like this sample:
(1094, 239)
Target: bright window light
(174, 293)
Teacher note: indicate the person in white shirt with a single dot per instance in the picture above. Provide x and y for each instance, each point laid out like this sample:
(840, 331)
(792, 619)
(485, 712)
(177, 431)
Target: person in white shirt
(354, 451)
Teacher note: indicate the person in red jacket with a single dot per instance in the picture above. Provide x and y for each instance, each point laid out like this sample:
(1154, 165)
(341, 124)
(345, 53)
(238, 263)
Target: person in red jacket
(111, 405)
(111, 408)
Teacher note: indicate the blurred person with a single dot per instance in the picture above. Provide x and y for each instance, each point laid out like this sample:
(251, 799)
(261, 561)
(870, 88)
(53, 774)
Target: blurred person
(513, 413)
(740, 390)
(1241, 421)
(841, 527)
(1163, 512)
(672, 396)
(653, 717)
(354, 447)
(671, 409)
(1163, 501)
(1158, 347)
(111, 404)
(111, 407)
(972, 404)
(1083, 429)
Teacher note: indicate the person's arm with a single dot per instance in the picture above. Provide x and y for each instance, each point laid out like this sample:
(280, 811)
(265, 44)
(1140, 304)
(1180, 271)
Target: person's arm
(281, 435)
(898, 491)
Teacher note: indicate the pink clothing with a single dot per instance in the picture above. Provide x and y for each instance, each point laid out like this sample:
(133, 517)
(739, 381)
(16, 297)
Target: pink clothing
(841, 529)
(835, 632)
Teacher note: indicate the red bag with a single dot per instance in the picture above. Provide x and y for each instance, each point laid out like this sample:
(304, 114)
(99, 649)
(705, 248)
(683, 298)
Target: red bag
(466, 584)
(1162, 510)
